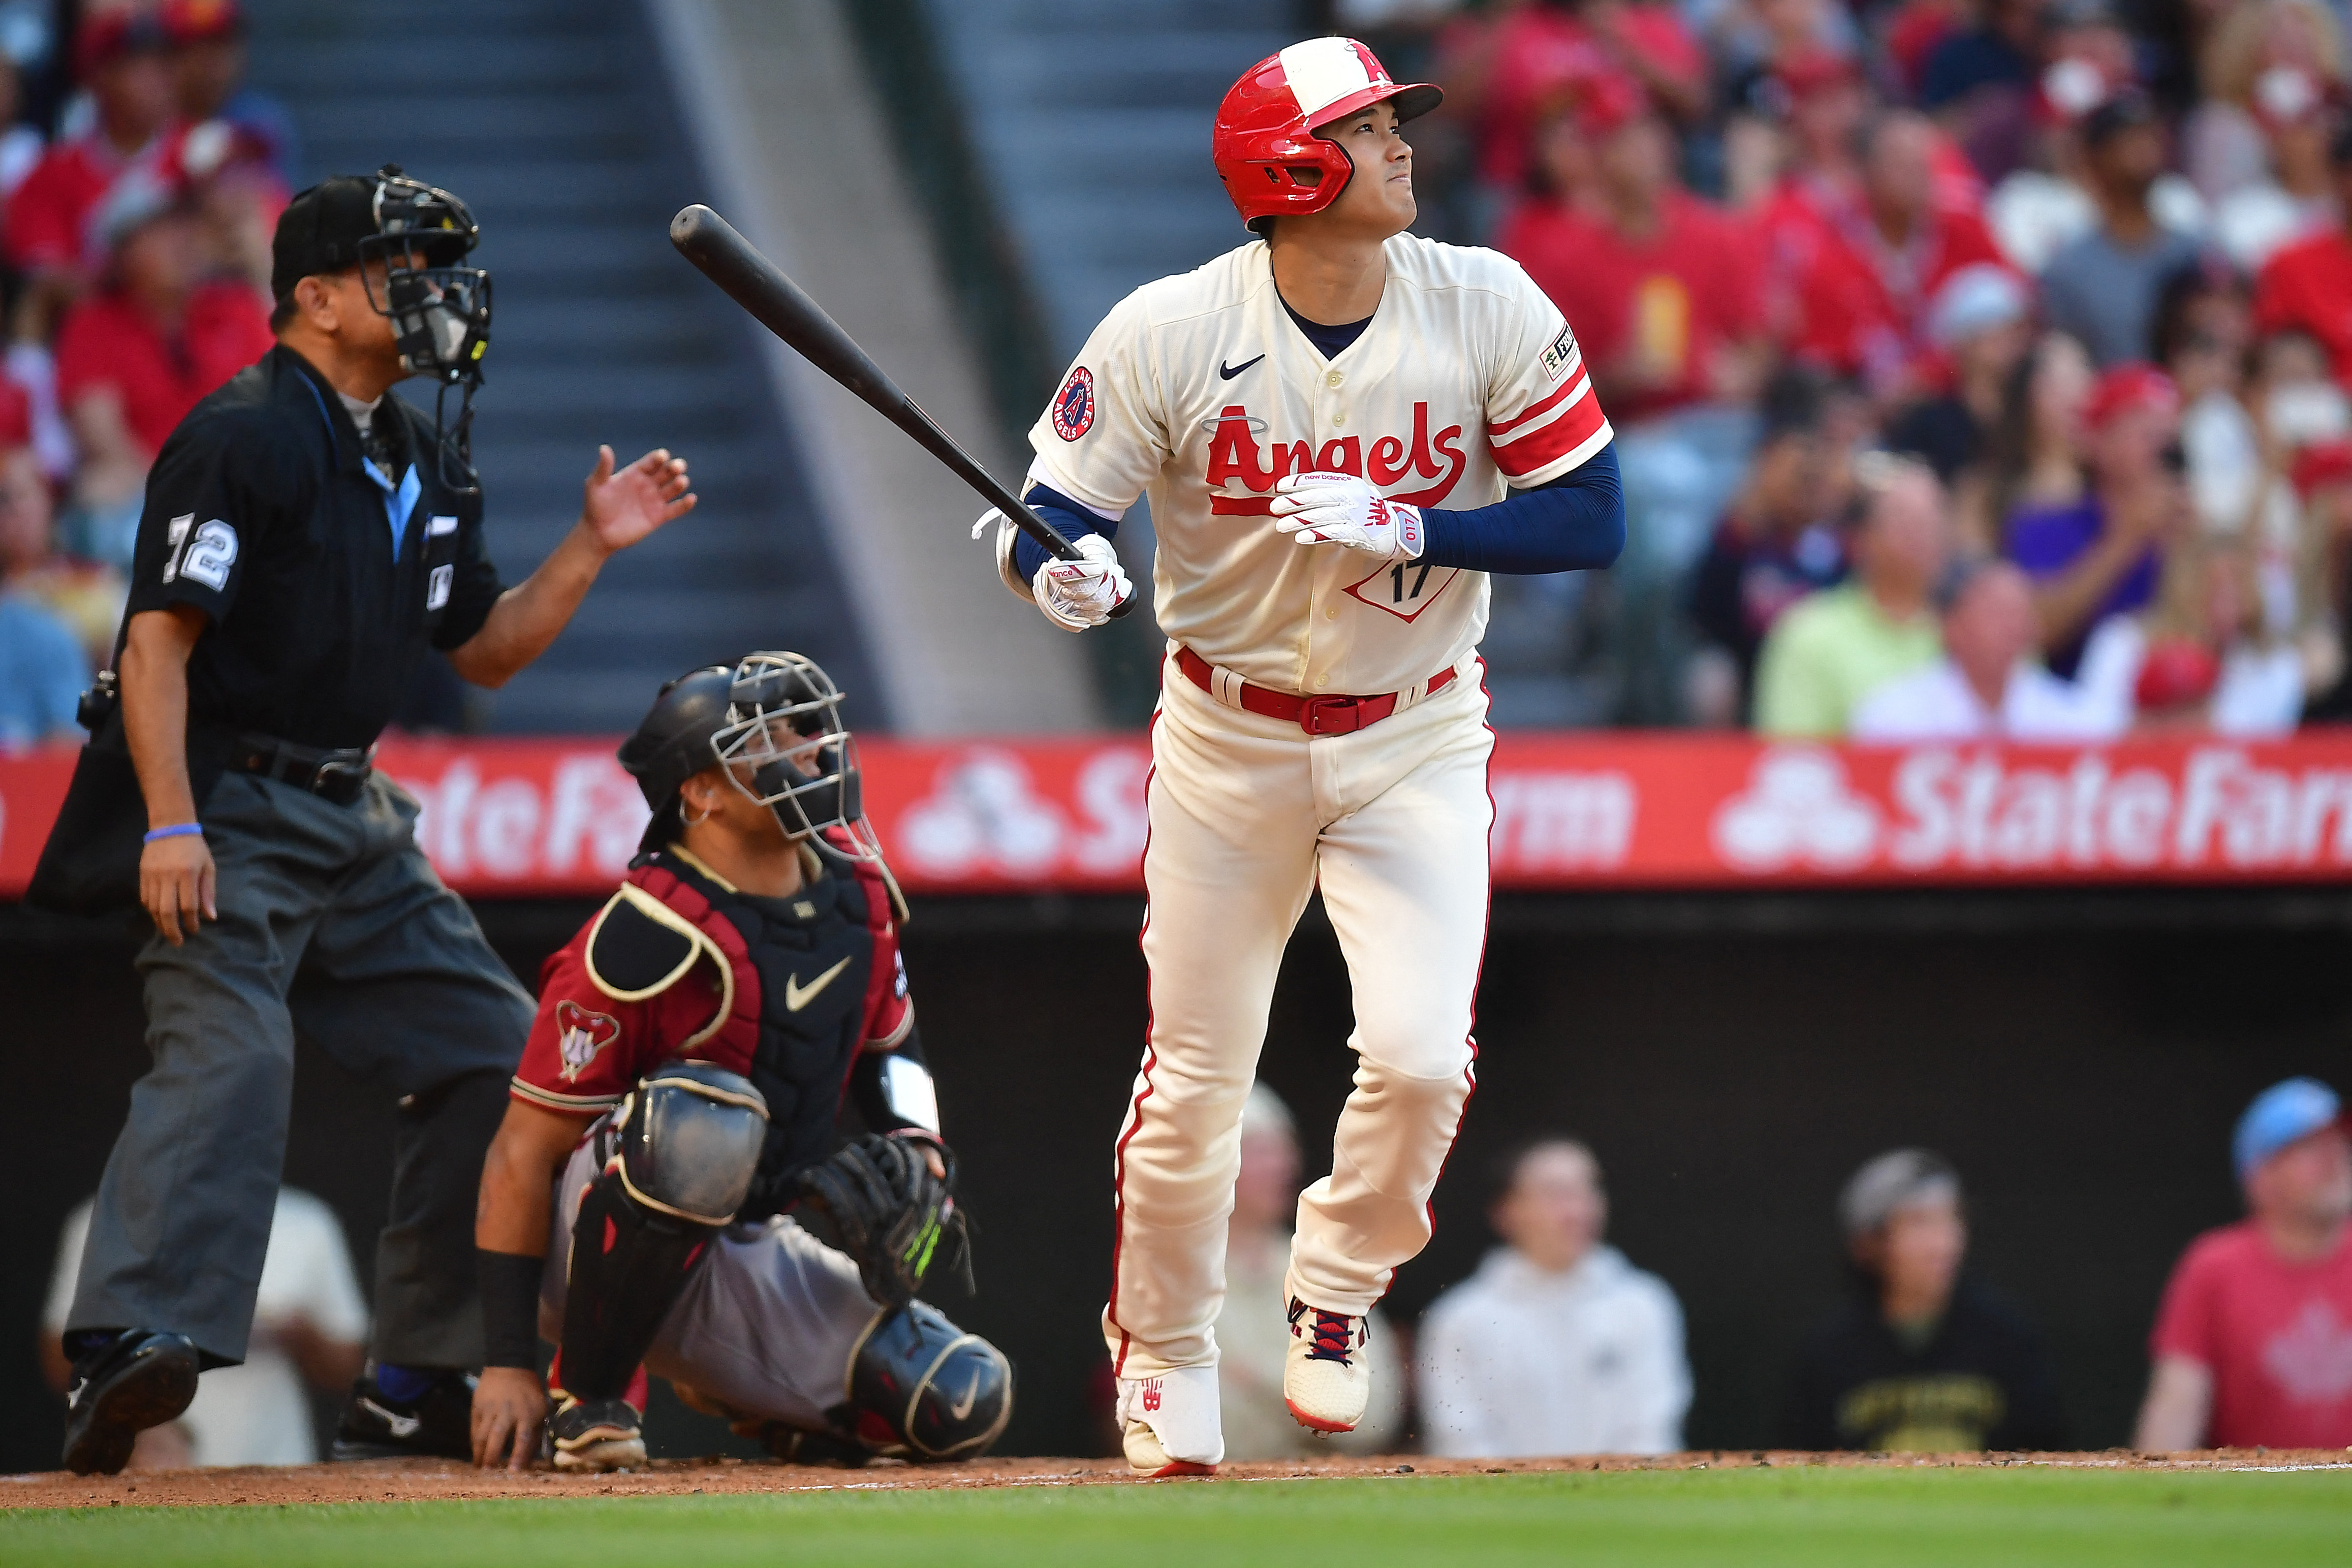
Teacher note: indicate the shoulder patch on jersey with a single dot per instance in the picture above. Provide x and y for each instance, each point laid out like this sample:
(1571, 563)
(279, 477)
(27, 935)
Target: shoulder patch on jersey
(580, 1035)
(1558, 353)
(1074, 405)
(639, 946)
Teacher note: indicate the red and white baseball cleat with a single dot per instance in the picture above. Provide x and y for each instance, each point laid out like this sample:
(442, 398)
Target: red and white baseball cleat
(1325, 1379)
(1170, 1424)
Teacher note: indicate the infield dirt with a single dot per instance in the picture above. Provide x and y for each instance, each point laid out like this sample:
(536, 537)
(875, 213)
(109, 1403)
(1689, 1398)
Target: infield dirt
(426, 1481)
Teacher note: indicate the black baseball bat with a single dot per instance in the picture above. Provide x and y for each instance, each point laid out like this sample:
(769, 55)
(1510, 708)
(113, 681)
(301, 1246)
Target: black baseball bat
(783, 307)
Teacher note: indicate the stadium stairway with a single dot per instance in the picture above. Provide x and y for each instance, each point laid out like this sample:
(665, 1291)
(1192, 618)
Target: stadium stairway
(1091, 125)
(555, 121)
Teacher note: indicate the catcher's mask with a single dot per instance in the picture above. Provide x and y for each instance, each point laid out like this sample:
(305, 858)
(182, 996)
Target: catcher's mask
(784, 726)
(773, 721)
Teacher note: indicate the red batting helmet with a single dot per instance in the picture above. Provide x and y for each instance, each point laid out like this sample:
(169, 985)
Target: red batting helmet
(1265, 128)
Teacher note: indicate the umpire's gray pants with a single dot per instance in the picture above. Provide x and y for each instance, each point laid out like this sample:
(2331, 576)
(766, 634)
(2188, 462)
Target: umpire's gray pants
(766, 1325)
(331, 924)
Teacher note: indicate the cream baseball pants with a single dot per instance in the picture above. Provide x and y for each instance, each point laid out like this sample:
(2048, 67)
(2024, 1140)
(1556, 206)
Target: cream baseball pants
(1248, 815)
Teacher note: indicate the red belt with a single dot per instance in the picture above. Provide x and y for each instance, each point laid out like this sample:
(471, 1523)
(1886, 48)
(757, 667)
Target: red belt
(1332, 715)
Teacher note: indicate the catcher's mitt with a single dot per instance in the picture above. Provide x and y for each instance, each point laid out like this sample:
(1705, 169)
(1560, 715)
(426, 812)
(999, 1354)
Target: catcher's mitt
(877, 1200)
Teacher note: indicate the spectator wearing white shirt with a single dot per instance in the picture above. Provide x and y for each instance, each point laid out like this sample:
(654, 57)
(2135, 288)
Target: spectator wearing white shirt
(310, 1323)
(1556, 1345)
(1990, 681)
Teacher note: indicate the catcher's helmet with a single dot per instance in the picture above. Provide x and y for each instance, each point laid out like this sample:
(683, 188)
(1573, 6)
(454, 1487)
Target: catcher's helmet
(1266, 129)
(775, 717)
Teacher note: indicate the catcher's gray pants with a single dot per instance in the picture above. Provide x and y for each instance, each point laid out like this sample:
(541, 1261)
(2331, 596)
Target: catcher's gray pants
(764, 1328)
(332, 924)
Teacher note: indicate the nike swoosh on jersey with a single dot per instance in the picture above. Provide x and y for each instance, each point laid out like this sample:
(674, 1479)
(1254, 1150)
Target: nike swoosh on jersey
(797, 996)
(1229, 372)
(963, 1407)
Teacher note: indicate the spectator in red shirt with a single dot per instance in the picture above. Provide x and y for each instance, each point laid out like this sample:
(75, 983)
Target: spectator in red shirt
(1504, 75)
(134, 357)
(2254, 1343)
(2308, 286)
(208, 73)
(120, 55)
(1860, 274)
(1661, 286)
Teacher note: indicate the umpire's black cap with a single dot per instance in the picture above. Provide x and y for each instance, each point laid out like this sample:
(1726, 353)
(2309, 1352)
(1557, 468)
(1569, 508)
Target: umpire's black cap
(323, 229)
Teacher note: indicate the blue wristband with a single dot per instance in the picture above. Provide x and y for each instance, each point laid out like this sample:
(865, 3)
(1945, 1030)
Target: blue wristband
(177, 830)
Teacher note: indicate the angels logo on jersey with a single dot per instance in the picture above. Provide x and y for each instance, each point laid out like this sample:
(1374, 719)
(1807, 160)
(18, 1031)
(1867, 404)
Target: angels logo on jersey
(580, 1035)
(1234, 455)
(1074, 405)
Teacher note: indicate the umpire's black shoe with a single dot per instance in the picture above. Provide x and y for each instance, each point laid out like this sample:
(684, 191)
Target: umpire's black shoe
(137, 1380)
(437, 1425)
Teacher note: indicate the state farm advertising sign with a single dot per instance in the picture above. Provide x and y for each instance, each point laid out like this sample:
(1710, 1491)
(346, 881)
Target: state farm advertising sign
(557, 817)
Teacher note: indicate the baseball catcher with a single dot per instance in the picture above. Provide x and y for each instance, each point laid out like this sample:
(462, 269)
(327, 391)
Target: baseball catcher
(672, 1144)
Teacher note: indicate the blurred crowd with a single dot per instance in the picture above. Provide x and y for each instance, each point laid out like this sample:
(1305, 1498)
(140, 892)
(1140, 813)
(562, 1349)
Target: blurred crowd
(1559, 1345)
(140, 180)
(1977, 366)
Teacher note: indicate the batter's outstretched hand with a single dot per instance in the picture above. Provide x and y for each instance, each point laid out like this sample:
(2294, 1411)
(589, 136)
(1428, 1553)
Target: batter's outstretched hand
(175, 884)
(627, 505)
(1319, 508)
(1076, 595)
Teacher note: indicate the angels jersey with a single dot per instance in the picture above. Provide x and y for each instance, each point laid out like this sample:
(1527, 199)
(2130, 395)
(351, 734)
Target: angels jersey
(1200, 392)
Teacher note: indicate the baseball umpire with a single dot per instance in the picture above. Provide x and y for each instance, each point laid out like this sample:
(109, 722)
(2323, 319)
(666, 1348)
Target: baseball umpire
(713, 1020)
(306, 536)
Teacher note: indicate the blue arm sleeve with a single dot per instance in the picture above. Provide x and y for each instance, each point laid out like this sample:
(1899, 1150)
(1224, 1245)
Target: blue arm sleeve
(1068, 518)
(1578, 521)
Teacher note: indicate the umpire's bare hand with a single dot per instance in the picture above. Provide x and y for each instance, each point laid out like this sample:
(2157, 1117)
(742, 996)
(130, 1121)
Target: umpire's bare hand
(175, 883)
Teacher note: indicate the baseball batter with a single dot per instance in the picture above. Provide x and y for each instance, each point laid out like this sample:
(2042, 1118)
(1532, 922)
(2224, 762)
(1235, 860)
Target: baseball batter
(1341, 430)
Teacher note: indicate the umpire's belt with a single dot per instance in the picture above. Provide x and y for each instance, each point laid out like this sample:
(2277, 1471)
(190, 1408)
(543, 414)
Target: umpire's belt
(337, 775)
(1330, 715)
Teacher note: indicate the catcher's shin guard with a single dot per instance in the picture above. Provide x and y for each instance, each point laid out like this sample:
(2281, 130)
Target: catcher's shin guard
(685, 1144)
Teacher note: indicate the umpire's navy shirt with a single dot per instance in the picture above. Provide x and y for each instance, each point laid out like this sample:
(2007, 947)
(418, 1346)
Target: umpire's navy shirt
(323, 580)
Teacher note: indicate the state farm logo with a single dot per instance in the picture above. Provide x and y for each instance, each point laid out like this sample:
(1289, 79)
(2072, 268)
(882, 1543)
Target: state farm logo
(986, 817)
(1561, 821)
(1796, 811)
(1946, 810)
(2089, 812)
(1234, 455)
(581, 815)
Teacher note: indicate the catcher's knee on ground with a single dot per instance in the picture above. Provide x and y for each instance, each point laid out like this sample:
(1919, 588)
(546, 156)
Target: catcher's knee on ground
(685, 1144)
(921, 1388)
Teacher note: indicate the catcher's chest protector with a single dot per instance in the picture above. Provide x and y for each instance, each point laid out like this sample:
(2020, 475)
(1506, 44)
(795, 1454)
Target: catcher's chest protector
(800, 971)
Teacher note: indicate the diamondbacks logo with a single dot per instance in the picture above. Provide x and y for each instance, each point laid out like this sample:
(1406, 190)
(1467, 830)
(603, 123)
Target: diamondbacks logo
(580, 1035)
(1074, 405)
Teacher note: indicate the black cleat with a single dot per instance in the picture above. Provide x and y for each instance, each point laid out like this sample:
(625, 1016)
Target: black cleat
(439, 1424)
(137, 1380)
(597, 1435)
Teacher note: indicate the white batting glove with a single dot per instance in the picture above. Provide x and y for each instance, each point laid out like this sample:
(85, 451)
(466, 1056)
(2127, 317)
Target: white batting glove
(1340, 509)
(1076, 595)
